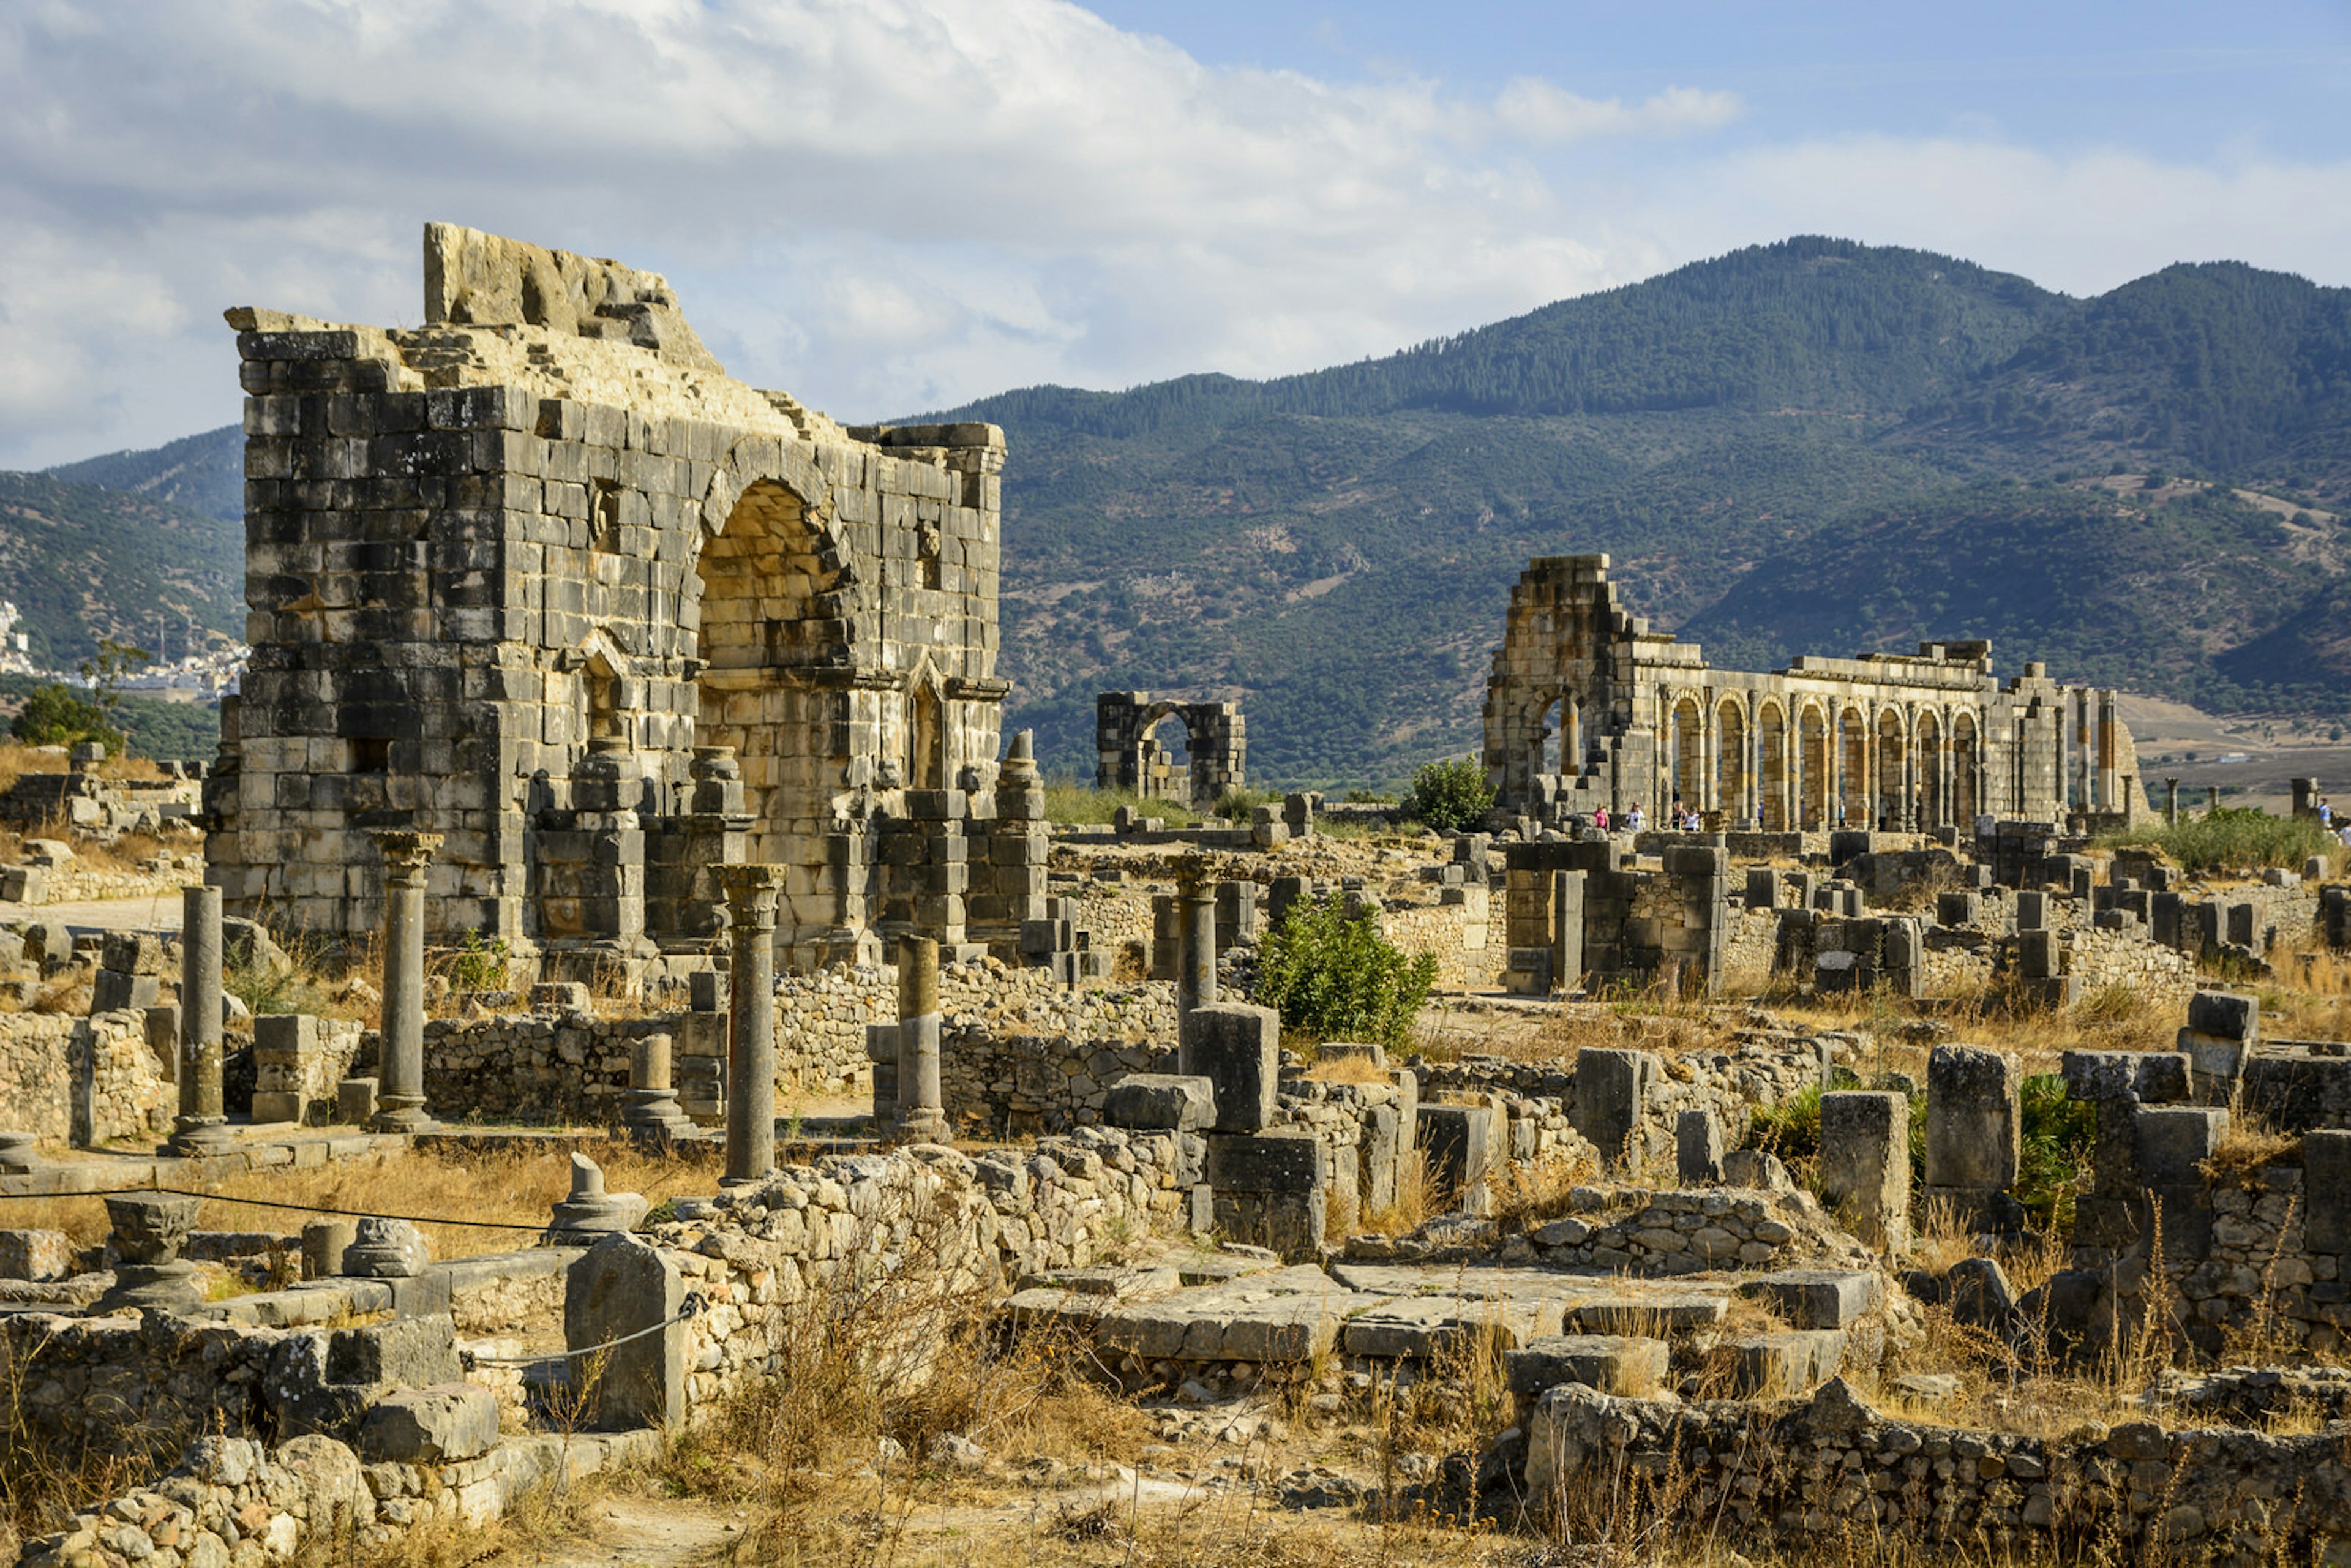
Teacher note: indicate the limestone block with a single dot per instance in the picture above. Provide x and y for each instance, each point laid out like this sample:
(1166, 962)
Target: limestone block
(1816, 1298)
(1621, 1365)
(1864, 1168)
(430, 1425)
(1460, 1144)
(34, 1254)
(2327, 1191)
(1697, 1142)
(1612, 1087)
(619, 1286)
(1777, 1365)
(409, 1352)
(1971, 1118)
(1239, 1049)
(1162, 1101)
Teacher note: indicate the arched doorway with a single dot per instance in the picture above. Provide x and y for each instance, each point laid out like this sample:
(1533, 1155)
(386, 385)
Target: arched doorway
(760, 625)
(1731, 765)
(1163, 757)
(1967, 772)
(1688, 755)
(1892, 804)
(1934, 804)
(1771, 761)
(1853, 771)
(1816, 798)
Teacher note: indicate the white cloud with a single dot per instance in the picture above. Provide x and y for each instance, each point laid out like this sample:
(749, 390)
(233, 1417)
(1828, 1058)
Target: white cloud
(1533, 109)
(891, 204)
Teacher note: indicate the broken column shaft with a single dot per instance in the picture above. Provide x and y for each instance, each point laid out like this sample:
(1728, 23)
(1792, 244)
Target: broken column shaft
(922, 1111)
(399, 1101)
(1195, 928)
(751, 893)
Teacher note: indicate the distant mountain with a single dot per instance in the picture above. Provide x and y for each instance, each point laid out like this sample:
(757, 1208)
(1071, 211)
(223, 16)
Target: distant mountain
(198, 473)
(82, 562)
(1813, 447)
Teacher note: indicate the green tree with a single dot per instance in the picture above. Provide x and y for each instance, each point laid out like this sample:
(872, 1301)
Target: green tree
(1331, 975)
(1451, 795)
(53, 716)
(104, 669)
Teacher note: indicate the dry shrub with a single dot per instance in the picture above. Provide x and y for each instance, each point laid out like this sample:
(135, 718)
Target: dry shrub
(1529, 1192)
(2250, 1146)
(1349, 1069)
(1414, 1200)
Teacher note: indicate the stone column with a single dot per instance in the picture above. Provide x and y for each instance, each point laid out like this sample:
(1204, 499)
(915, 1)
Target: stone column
(2171, 802)
(201, 1126)
(400, 1099)
(652, 1114)
(751, 893)
(2211, 798)
(1195, 927)
(2109, 753)
(922, 1111)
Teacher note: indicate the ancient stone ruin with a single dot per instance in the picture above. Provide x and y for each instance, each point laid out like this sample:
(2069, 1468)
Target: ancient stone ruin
(1130, 756)
(1589, 710)
(538, 576)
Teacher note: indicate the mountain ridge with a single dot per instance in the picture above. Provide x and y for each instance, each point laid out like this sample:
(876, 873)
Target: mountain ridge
(1810, 447)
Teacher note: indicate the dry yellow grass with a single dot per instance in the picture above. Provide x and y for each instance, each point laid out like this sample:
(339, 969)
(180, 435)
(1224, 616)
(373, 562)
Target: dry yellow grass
(518, 1188)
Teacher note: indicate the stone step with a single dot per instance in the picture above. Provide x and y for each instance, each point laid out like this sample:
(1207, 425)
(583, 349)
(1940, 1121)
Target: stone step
(1816, 1298)
(1613, 1363)
(1783, 1366)
(1427, 1328)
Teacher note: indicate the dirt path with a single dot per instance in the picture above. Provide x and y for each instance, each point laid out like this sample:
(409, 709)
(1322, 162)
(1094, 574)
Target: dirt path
(658, 1532)
(156, 911)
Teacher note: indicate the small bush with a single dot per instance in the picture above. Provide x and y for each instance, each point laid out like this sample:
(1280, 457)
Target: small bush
(1451, 795)
(1333, 976)
(1237, 804)
(2235, 838)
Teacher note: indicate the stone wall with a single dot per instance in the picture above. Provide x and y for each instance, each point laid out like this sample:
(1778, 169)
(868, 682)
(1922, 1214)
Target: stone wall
(36, 1073)
(1740, 1473)
(120, 1090)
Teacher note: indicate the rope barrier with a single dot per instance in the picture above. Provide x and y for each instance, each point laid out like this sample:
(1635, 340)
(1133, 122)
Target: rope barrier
(690, 1307)
(295, 1208)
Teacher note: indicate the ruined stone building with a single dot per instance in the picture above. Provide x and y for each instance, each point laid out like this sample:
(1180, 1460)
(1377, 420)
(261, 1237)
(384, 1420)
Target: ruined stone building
(1586, 707)
(539, 576)
(1130, 755)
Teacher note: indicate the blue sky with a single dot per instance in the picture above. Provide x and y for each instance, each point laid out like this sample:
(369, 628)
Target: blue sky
(890, 205)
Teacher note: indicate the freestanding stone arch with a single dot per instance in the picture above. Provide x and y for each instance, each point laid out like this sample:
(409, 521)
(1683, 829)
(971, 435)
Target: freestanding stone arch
(1127, 758)
(605, 617)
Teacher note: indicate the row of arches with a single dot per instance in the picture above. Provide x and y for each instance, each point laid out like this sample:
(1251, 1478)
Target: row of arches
(1833, 765)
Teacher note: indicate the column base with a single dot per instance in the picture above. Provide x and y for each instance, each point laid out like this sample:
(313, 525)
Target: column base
(407, 1118)
(928, 1125)
(195, 1137)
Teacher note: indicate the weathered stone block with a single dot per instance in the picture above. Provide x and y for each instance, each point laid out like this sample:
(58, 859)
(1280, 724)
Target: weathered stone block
(1459, 1143)
(1237, 1047)
(430, 1425)
(1697, 1146)
(1621, 1365)
(1865, 1171)
(1162, 1101)
(1816, 1298)
(622, 1285)
(1612, 1086)
(1971, 1117)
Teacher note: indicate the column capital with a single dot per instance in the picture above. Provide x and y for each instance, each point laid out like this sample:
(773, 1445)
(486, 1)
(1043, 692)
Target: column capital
(751, 891)
(406, 853)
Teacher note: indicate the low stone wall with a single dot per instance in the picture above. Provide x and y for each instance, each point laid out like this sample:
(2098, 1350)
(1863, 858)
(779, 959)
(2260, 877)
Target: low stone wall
(922, 1224)
(1759, 1070)
(1833, 1469)
(36, 1073)
(534, 1067)
(1467, 936)
(119, 1092)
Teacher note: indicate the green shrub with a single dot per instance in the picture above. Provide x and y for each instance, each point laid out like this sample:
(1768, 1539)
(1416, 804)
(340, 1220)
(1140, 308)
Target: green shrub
(1331, 975)
(2234, 838)
(1237, 804)
(1451, 795)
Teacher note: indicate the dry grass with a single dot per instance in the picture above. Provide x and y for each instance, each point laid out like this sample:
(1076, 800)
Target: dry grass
(519, 1188)
(1529, 1192)
(1349, 1069)
(1416, 1200)
(2249, 1146)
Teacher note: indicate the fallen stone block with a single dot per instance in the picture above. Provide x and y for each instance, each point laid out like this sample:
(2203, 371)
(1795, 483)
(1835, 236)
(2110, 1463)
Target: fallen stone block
(430, 1425)
(1815, 1297)
(1156, 1102)
(1776, 1365)
(1622, 1364)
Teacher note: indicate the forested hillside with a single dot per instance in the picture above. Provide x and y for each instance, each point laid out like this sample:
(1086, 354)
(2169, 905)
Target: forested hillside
(1810, 447)
(82, 562)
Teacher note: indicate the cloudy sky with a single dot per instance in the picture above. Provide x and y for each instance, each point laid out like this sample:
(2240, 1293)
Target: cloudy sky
(888, 206)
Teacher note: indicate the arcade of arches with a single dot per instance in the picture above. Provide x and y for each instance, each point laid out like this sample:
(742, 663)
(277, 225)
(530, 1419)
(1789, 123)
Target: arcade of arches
(1587, 708)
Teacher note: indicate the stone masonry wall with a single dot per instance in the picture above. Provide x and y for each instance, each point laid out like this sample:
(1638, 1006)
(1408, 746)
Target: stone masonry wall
(37, 1079)
(1830, 1468)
